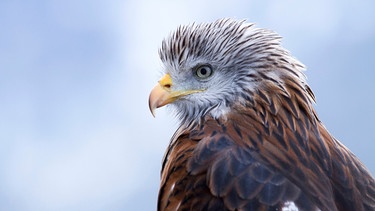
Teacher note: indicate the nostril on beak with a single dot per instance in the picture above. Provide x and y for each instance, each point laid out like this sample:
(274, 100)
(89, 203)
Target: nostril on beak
(166, 82)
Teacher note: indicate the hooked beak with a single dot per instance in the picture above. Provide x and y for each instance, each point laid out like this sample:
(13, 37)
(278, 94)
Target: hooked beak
(162, 94)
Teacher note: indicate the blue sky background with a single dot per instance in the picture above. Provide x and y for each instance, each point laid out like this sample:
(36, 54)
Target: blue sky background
(75, 130)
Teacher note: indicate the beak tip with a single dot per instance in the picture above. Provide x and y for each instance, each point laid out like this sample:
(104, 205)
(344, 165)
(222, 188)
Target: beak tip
(158, 98)
(152, 108)
(153, 112)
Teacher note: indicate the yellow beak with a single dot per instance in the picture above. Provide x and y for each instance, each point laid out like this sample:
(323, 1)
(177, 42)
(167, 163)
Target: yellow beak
(162, 94)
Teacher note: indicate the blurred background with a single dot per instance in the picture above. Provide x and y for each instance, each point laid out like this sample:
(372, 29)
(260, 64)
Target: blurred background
(75, 129)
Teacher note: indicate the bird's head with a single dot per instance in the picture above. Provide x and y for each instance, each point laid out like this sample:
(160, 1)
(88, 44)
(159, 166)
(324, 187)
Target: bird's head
(210, 67)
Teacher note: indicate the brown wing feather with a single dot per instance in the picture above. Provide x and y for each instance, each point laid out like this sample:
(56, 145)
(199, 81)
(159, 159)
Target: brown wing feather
(212, 172)
(263, 154)
(354, 187)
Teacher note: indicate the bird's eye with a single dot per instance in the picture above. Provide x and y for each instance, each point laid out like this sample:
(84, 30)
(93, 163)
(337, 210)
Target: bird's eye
(203, 71)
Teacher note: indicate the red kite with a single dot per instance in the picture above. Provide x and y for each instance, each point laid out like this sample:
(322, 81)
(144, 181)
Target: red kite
(249, 138)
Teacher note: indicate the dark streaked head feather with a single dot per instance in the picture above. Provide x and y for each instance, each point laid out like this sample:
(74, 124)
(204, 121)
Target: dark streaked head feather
(244, 58)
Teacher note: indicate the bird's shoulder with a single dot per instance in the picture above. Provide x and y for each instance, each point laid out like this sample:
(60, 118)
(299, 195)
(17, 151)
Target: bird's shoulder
(213, 163)
(244, 161)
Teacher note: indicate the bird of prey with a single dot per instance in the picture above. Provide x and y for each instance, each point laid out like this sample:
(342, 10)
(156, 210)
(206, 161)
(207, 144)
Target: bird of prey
(249, 137)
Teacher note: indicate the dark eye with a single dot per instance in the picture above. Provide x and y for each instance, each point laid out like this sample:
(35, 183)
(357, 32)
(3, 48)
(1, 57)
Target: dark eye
(203, 71)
